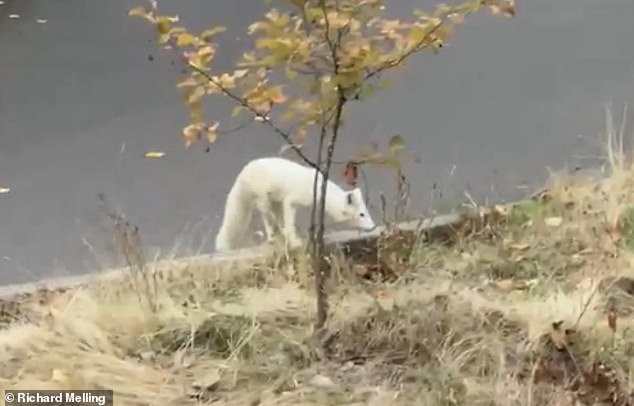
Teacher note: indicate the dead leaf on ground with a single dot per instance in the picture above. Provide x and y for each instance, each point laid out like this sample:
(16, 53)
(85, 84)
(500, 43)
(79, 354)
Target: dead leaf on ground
(322, 381)
(505, 284)
(208, 382)
(553, 221)
(519, 246)
(59, 376)
(154, 154)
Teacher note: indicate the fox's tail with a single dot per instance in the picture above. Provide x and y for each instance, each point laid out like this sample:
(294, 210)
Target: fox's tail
(236, 220)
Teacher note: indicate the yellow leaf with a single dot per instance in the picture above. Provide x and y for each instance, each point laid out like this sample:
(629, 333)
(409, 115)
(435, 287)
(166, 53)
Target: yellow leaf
(206, 50)
(191, 133)
(154, 154)
(212, 31)
(196, 95)
(276, 95)
(4, 190)
(553, 221)
(240, 73)
(185, 38)
(457, 18)
(163, 26)
(188, 82)
(236, 110)
(137, 11)
(396, 143)
(212, 135)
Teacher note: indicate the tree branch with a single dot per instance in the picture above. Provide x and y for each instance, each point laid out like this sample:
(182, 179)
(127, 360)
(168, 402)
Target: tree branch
(241, 101)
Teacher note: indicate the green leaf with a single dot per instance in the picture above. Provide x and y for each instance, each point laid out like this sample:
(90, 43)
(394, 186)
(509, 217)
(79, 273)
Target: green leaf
(396, 143)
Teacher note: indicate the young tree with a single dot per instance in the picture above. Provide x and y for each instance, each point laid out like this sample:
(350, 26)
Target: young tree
(330, 52)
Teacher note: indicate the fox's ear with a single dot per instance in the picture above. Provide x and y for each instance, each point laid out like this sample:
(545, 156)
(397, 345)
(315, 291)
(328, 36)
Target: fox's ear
(354, 197)
(349, 199)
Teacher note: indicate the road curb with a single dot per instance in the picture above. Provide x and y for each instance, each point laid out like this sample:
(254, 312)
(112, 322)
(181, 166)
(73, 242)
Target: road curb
(348, 239)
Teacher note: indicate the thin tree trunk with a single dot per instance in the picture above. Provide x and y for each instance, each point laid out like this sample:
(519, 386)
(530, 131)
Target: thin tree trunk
(321, 266)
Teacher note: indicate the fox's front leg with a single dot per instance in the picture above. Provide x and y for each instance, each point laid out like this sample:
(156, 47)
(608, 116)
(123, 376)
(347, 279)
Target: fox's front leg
(290, 231)
(266, 210)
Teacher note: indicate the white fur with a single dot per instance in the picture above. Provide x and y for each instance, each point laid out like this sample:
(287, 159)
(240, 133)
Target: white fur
(277, 187)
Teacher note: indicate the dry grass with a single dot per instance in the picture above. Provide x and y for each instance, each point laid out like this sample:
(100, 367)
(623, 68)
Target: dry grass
(534, 309)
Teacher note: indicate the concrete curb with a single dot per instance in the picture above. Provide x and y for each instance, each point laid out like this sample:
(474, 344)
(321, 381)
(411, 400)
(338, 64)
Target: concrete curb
(341, 238)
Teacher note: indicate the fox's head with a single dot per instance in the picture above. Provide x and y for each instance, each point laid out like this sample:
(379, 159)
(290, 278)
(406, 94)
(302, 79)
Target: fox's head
(354, 212)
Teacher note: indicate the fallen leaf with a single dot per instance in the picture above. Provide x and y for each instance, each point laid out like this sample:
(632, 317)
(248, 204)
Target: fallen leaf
(59, 376)
(208, 382)
(553, 221)
(155, 154)
(4, 190)
(505, 284)
(322, 381)
(519, 246)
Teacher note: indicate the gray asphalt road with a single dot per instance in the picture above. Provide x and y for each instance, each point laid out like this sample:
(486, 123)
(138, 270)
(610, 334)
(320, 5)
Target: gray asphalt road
(84, 95)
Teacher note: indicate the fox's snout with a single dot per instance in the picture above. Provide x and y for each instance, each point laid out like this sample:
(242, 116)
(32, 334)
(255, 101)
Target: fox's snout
(366, 223)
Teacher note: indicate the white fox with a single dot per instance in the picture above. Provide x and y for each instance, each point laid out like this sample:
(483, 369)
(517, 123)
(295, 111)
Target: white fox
(277, 187)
